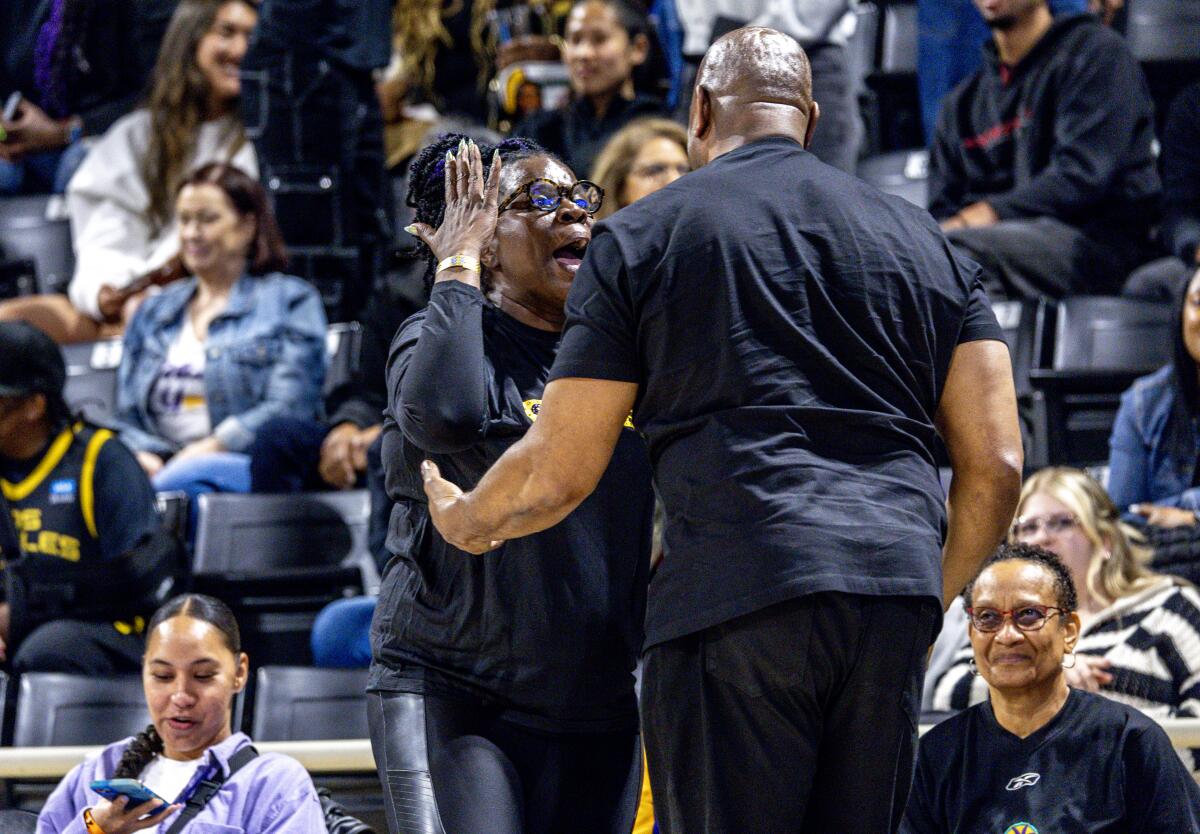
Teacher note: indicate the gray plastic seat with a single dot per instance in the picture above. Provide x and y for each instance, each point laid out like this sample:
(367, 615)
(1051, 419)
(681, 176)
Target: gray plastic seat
(56, 709)
(294, 703)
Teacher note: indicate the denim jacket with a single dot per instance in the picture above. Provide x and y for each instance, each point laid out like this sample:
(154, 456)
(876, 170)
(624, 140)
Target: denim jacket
(1154, 446)
(265, 357)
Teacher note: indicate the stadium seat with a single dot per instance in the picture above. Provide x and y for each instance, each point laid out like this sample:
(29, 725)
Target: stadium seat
(903, 173)
(343, 346)
(1163, 30)
(278, 559)
(13, 821)
(898, 47)
(91, 388)
(28, 233)
(58, 709)
(1101, 344)
(294, 703)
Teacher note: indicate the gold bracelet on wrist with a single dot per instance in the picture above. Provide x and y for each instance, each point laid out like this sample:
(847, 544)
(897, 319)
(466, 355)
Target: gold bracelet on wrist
(93, 827)
(460, 261)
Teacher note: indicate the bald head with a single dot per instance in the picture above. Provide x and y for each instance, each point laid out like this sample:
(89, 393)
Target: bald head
(756, 64)
(753, 82)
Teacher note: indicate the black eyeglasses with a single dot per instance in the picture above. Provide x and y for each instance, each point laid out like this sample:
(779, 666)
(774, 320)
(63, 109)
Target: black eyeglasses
(1025, 618)
(546, 195)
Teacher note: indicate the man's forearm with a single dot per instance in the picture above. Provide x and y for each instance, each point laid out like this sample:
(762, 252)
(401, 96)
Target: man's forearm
(981, 507)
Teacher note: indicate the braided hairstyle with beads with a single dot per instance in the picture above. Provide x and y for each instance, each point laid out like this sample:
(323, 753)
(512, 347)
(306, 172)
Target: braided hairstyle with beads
(147, 744)
(427, 181)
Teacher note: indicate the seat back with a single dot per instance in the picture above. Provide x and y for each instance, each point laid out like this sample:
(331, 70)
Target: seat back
(898, 46)
(343, 347)
(295, 703)
(28, 233)
(55, 709)
(91, 388)
(1163, 30)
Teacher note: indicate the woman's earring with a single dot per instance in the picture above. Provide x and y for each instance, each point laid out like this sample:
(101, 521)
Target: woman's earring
(974, 669)
(1064, 663)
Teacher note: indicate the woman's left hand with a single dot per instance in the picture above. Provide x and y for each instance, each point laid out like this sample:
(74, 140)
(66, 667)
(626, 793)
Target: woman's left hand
(204, 446)
(1164, 516)
(469, 221)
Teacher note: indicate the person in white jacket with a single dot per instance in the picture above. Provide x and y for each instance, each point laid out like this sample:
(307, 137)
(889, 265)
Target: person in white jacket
(120, 199)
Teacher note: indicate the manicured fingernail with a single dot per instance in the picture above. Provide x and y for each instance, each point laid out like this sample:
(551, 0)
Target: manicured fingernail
(412, 230)
(425, 467)
(449, 156)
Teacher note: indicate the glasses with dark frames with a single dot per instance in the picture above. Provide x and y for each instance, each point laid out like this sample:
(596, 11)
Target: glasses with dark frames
(1025, 618)
(547, 195)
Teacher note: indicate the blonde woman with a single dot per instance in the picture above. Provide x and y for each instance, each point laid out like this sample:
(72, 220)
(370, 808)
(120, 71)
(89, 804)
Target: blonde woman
(1140, 636)
(641, 158)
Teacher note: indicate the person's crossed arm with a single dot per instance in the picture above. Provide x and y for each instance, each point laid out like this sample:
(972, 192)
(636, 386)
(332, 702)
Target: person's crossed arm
(542, 478)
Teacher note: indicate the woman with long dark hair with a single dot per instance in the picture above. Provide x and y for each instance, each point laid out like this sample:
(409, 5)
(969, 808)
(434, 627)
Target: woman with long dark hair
(121, 198)
(502, 691)
(193, 668)
(1153, 466)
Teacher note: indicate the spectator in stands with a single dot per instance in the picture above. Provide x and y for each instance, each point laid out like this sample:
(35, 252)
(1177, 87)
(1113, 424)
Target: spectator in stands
(1152, 462)
(824, 29)
(1040, 754)
(88, 534)
(212, 358)
(641, 158)
(193, 668)
(1139, 637)
(79, 65)
(518, 668)
(604, 42)
(1180, 229)
(1042, 169)
(120, 200)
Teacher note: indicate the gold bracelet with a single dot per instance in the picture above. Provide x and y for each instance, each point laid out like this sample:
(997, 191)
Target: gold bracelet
(462, 261)
(93, 827)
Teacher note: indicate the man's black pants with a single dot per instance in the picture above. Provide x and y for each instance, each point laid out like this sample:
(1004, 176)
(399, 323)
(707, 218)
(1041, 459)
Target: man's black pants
(800, 717)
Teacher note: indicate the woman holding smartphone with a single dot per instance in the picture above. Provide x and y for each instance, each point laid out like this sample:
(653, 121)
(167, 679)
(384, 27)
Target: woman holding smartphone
(192, 669)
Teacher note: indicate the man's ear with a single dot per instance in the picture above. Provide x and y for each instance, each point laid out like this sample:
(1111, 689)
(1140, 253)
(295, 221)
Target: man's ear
(702, 111)
(639, 50)
(814, 116)
(488, 257)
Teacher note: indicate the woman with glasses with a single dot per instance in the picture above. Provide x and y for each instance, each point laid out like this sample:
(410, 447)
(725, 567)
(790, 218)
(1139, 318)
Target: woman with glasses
(1040, 756)
(502, 690)
(1139, 639)
(641, 158)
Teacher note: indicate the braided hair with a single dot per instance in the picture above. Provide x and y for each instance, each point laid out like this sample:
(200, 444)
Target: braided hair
(427, 181)
(148, 743)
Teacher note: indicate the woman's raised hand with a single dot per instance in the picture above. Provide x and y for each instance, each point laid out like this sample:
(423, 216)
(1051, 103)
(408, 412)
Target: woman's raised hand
(471, 206)
(119, 817)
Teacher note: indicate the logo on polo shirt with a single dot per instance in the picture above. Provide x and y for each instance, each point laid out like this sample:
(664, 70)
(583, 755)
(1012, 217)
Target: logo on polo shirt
(62, 491)
(1025, 780)
(1021, 828)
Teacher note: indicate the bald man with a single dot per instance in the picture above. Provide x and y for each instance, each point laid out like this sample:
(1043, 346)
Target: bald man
(794, 346)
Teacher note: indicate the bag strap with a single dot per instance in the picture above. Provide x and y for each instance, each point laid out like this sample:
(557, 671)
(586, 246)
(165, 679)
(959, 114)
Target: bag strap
(208, 788)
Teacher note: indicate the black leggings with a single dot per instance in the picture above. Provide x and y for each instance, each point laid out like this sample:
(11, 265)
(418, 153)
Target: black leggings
(453, 767)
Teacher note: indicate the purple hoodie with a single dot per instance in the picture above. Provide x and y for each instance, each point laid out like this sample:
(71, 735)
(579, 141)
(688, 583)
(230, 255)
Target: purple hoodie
(272, 793)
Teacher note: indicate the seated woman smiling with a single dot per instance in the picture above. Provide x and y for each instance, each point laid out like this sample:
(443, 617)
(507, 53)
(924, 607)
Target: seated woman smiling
(191, 671)
(1039, 756)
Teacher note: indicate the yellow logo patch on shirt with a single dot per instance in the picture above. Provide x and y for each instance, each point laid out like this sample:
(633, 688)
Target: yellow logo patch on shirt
(534, 407)
(1021, 828)
(33, 539)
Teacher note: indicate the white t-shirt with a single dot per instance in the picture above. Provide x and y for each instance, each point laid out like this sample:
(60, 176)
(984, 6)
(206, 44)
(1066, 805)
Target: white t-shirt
(168, 777)
(177, 397)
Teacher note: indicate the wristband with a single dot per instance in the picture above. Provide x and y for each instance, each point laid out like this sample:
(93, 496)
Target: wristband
(461, 261)
(93, 827)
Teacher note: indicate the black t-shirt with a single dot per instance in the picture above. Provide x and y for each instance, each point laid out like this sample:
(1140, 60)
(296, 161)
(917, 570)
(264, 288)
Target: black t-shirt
(1098, 767)
(790, 329)
(548, 627)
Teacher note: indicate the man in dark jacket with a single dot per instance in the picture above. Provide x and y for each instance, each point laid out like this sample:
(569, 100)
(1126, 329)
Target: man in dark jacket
(1042, 169)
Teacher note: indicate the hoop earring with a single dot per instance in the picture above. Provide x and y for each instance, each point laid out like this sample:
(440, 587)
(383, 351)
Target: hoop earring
(974, 669)
(1064, 663)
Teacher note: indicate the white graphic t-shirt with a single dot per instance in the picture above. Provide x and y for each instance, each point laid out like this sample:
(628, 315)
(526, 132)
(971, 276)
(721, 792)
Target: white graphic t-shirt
(177, 397)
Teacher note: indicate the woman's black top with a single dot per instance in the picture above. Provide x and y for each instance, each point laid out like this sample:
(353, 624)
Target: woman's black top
(548, 627)
(577, 135)
(1098, 767)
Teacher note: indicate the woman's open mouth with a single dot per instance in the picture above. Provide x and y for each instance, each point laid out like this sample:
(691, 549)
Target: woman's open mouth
(571, 255)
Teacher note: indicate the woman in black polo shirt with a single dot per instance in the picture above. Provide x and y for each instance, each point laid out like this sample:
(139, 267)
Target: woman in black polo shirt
(1040, 757)
(502, 694)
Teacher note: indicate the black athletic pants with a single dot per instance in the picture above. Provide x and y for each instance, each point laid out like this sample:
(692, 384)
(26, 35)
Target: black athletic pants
(800, 717)
(456, 767)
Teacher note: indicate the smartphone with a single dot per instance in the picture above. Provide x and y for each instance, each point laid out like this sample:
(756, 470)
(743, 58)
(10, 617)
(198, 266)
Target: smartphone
(10, 106)
(138, 793)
